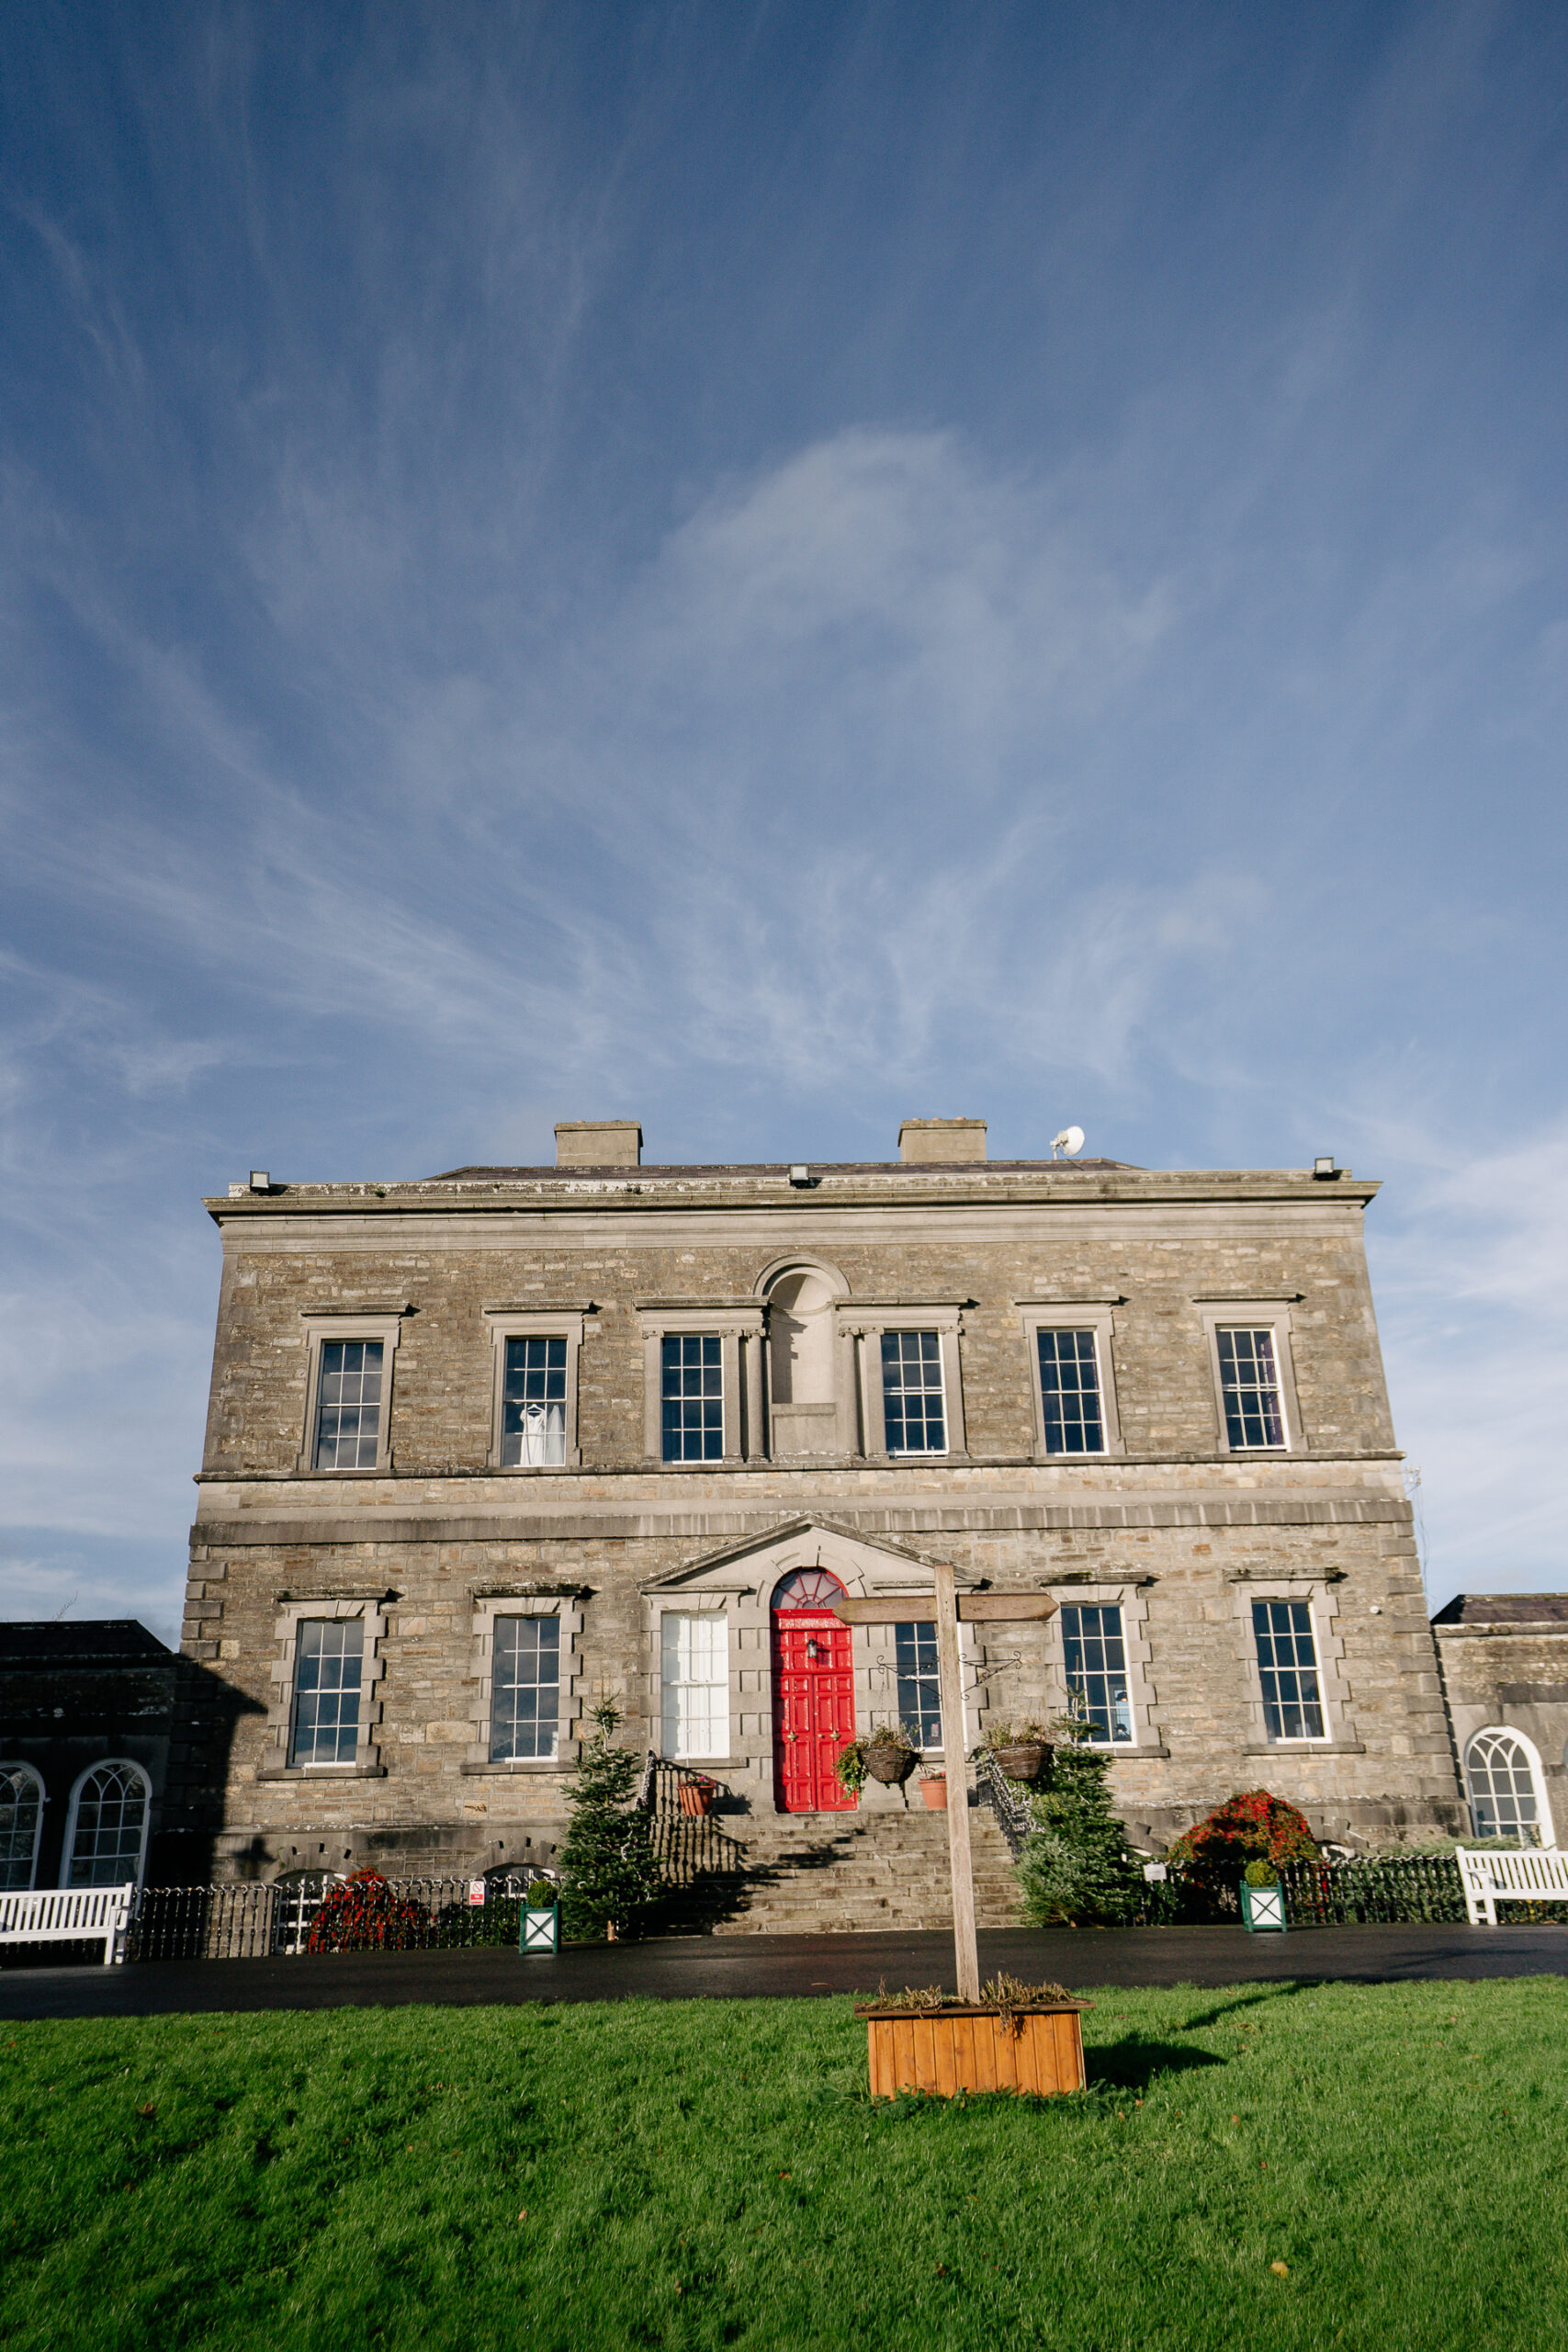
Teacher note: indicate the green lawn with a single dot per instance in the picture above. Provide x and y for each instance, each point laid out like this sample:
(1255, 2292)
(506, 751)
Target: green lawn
(712, 2173)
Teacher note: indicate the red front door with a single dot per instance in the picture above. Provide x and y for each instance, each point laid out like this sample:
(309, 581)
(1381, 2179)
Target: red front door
(813, 1695)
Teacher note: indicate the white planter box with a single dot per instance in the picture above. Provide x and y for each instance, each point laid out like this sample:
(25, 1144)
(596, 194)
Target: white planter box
(538, 1932)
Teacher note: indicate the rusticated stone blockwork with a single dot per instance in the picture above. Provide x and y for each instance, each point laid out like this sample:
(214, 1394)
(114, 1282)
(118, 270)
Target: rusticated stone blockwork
(516, 1516)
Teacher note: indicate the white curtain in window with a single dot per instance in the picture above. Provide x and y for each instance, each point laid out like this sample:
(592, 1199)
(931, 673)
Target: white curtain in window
(694, 1672)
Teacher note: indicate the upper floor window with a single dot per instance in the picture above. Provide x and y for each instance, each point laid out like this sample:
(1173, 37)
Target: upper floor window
(919, 1695)
(1287, 1666)
(1094, 1651)
(1249, 1387)
(107, 1835)
(913, 1405)
(21, 1819)
(348, 1407)
(534, 1402)
(524, 1688)
(692, 1396)
(329, 1667)
(1069, 1391)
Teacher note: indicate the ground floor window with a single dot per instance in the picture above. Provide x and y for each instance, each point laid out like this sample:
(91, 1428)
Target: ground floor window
(525, 1714)
(1503, 1800)
(1094, 1651)
(1287, 1666)
(108, 1834)
(693, 1655)
(21, 1817)
(920, 1698)
(328, 1669)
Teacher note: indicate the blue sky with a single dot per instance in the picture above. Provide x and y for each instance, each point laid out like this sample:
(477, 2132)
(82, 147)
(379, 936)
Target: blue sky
(774, 569)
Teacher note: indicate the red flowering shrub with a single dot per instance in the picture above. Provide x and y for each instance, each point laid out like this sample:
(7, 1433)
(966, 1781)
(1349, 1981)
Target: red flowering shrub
(1254, 1827)
(367, 1914)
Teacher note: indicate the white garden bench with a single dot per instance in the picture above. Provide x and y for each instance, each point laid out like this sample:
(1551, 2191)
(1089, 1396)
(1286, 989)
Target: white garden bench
(80, 1912)
(1538, 1874)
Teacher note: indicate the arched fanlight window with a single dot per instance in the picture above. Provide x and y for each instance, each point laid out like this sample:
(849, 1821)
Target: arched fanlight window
(1506, 1798)
(21, 1819)
(808, 1588)
(106, 1838)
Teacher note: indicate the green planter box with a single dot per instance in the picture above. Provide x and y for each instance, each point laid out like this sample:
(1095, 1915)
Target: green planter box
(538, 1930)
(1263, 1909)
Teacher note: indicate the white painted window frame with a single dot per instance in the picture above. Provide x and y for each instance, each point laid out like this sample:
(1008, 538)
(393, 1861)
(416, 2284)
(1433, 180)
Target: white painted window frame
(104, 1764)
(1538, 1776)
(527, 1323)
(20, 1764)
(1328, 1647)
(331, 1323)
(1074, 1314)
(695, 1604)
(1132, 1599)
(1270, 1315)
(865, 1323)
(366, 1763)
(738, 1328)
(487, 1607)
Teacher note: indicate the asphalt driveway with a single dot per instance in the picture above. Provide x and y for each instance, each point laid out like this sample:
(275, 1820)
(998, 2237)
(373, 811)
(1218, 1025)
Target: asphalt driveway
(731, 1967)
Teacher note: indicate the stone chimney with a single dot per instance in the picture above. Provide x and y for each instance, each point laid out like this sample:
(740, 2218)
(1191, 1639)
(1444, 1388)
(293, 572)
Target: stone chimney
(928, 1143)
(598, 1143)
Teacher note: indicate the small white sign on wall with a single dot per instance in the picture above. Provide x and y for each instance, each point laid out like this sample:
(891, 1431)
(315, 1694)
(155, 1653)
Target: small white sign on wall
(1156, 1873)
(475, 1891)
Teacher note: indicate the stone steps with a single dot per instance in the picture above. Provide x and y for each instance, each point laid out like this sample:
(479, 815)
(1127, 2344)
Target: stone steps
(856, 1873)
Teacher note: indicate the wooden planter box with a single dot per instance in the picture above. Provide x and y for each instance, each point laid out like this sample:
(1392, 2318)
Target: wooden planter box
(957, 2049)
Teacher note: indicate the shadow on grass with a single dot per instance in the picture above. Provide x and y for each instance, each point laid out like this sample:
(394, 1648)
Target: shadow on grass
(1256, 1996)
(1133, 2065)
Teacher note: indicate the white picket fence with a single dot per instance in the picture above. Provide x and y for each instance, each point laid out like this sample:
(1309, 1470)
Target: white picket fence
(1537, 1874)
(75, 1913)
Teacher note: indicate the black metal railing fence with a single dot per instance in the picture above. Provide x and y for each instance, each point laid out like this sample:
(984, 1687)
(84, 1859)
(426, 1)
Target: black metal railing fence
(690, 1845)
(1384, 1889)
(1007, 1800)
(247, 1920)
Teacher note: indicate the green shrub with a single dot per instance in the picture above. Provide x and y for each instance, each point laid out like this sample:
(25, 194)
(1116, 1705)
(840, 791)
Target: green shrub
(1262, 1874)
(542, 1894)
(610, 1873)
(1076, 1867)
(1251, 1826)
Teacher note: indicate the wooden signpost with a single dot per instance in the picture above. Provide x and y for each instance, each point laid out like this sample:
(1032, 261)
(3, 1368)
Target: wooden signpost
(947, 1608)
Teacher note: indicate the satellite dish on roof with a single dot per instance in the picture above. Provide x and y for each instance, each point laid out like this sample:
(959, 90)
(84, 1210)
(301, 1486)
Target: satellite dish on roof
(1070, 1141)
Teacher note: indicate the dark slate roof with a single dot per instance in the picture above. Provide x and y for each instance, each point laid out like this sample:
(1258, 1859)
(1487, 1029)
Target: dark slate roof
(1504, 1609)
(109, 1641)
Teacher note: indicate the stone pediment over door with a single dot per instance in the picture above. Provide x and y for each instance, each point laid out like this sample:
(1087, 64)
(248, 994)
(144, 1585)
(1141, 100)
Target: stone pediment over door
(863, 1565)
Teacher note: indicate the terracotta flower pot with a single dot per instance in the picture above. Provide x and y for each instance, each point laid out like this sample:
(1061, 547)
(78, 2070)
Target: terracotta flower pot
(696, 1796)
(935, 1792)
(890, 1764)
(1025, 1762)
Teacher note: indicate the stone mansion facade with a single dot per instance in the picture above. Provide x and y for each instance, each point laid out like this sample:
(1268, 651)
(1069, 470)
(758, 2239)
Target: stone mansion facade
(487, 1448)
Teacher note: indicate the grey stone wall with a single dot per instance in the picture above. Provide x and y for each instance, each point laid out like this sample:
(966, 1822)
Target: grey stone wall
(1177, 1529)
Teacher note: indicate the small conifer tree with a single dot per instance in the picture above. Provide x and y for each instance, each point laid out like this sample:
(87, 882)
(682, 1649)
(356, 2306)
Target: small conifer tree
(1076, 1866)
(610, 1873)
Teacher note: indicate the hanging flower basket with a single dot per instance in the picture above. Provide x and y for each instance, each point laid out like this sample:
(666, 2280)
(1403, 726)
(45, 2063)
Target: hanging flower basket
(697, 1796)
(891, 1761)
(1024, 1762)
(933, 1788)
